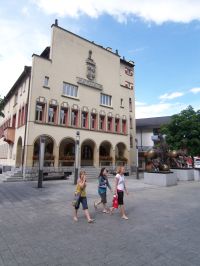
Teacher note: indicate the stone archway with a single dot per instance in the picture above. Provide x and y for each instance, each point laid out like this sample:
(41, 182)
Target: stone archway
(121, 154)
(105, 154)
(19, 153)
(67, 152)
(48, 154)
(88, 148)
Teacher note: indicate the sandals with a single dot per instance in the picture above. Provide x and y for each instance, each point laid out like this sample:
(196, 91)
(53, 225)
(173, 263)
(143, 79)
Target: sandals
(91, 221)
(124, 217)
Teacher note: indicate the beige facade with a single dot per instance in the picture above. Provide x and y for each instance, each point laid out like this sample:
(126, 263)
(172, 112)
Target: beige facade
(74, 85)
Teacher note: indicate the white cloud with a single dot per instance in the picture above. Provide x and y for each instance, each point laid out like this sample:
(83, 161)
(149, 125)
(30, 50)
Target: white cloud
(195, 90)
(25, 11)
(157, 11)
(160, 109)
(17, 45)
(170, 96)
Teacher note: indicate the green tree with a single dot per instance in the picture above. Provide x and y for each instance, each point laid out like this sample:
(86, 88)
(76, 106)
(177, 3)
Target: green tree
(1, 107)
(183, 132)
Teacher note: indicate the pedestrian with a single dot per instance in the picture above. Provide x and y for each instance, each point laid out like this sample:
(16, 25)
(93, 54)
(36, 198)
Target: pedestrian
(102, 189)
(81, 190)
(120, 188)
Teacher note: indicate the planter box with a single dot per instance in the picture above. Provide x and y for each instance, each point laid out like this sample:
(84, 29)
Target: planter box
(160, 179)
(184, 174)
(197, 174)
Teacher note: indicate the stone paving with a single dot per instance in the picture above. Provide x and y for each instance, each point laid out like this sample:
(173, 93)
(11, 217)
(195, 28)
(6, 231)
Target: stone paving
(36, 226)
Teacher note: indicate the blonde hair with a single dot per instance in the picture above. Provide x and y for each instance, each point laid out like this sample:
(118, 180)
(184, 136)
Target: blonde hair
(82, 172)
(119, 169)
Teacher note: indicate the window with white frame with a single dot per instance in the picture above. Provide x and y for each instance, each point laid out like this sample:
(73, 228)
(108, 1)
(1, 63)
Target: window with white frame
(93, 121)
(46, 81)
(84, 122)
(70, 90)
(39, 112)
(102, 122)
(109, 126)
(52, 114)
(117, 125)
(63, 116)
(106, 99)
(74, 118)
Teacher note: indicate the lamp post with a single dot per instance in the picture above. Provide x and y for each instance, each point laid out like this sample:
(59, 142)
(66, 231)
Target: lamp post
(137, 170)
(76, 157)
(41, 161)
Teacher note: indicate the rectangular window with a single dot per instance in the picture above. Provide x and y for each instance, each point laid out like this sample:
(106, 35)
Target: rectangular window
(122, 102)
(24, 86)
(84, 120)
(102, 122)
(156, 131)
(124, 126)
(46, 81)
(70, 90)
(106, 99)
(22, 118)
(64, 116)
(39, 112)
(130, 105)
(117, 125)
(128, 71)
(14, 121)
(52, 114)
(110, 124)
(131, 123)
(131, 141)
(19, 118)
(74, 118)
(16, 98)
(93, 121)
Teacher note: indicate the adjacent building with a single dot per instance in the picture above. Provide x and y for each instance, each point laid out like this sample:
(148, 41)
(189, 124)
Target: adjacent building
(147, 131)
(73, 85)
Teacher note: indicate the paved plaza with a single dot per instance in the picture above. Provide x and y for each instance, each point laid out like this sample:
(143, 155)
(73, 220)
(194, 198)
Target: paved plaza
(36, 226)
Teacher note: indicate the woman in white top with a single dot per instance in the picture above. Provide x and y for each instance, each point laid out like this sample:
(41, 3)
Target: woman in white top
(120, 187)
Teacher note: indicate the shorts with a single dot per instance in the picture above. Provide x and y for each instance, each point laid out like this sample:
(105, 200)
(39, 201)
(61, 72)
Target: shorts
(103, 197)
(120, 195)
(83, 201)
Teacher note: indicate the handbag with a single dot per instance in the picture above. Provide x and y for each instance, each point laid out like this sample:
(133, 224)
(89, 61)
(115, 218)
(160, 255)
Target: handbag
(76, 199)
(115, 202)
(77, 196)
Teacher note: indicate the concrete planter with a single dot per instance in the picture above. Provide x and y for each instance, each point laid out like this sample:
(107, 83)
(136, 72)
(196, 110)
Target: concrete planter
(160, 179)
(197, 174)
(184, 174)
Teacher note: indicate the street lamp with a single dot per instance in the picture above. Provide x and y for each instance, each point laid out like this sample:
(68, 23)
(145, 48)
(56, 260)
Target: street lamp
(76, 157)
(41, 161)
(137, 169)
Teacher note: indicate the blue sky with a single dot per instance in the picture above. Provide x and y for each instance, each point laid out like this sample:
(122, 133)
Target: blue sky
(161, 37)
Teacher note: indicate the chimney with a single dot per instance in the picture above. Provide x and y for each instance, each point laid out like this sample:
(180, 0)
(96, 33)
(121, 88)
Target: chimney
(56, 22)
(116, 52)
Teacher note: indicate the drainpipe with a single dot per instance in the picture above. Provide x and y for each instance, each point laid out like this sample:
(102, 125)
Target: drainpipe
(26, 123)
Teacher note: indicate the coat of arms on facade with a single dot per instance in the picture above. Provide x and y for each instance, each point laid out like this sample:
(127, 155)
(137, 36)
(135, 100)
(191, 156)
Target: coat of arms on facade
(91, 67)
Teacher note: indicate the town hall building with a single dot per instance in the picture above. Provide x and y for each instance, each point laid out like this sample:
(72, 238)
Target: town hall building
(73, 85)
